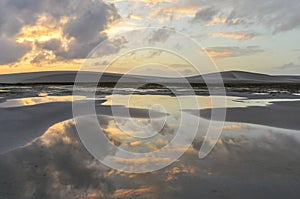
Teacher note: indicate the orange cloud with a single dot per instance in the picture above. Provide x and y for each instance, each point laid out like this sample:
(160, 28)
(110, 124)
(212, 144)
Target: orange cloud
(236, 35)
(216, 20)
(171, 10)
(232, 51)
(135, 16)
(45, 29)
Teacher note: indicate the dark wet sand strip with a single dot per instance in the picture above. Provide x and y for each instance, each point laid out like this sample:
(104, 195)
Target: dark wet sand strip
(278, 114)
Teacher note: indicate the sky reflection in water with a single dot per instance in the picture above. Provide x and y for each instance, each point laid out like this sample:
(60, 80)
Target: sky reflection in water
(248, 160)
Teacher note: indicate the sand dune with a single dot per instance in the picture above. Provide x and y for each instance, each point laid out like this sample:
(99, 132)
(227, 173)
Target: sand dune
(241, 77)
(70, 76)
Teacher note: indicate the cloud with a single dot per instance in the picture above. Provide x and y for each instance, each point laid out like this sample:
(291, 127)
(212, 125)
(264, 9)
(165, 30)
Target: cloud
(69, 28)
(42, 57)
(11, 51)
(233, 51)
(290, 66)
(110, 46)
(54, 166)
(172, 12)
(85, 30)
(57, 165)
(278, 15)
(275, 15)
(206, 15)
(160, 35)
(236, 35)
(53, 45)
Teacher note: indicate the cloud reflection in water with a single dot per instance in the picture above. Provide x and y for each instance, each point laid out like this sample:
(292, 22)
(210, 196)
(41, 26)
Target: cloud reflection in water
(58, 166)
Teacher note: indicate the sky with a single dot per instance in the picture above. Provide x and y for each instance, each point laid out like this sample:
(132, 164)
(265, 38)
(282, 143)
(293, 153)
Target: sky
(248, 35)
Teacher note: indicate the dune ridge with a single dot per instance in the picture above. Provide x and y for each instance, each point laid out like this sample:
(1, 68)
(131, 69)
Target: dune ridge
(68, 77)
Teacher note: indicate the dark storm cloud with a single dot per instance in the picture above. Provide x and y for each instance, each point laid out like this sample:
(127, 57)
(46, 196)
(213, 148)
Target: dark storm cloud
(86, 21)
(53, 45)
(11, 51)
(280, 15)
(40, 57)
(91, 20)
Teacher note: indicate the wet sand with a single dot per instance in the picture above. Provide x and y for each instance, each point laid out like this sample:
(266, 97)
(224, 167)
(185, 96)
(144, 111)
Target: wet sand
(21, 125)
(278, 114)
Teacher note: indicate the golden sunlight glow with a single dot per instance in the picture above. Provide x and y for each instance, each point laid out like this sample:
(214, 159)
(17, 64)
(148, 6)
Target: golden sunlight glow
(234, 35)
(25, 66)
(37, 33)
(188, 11)
(148, 58)
(121, 26)
(167, 13)
(217, 20)
(215, 54)
(45, 29)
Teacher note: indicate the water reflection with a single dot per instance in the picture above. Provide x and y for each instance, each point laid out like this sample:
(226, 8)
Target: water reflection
(43, 98)
(4, 91)
(58, 166)
(172, 103)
